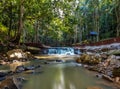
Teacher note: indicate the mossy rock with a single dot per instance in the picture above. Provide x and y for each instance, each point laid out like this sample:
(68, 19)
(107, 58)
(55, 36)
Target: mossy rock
(88, 59)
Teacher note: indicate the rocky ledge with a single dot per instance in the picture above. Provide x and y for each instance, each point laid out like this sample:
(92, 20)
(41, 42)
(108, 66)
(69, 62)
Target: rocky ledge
(107, 66)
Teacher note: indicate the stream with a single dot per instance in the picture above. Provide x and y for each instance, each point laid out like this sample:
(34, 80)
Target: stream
(66, 75)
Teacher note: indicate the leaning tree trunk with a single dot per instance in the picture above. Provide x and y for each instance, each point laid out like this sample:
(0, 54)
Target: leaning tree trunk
(20, 23)
(10, 21)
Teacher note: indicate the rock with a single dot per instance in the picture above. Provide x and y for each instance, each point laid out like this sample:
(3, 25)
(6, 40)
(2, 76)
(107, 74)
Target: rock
(19, 69)
(12, 83)
(78, 60)
(92, 68)
(89, 59)
(116, 72)
(114, 52)
(2, 78)
(30, 72)
(46, 62)
(86, 66)
(18, 54)
(38, 66)
(3, 74)
(15, 53)
(104, 56)
(78, 64)
(99, 76)
(32, 67)
(117, 79)
(106, 77)
(8, 84)
(29, 69)
(59, 61)
(94, 87)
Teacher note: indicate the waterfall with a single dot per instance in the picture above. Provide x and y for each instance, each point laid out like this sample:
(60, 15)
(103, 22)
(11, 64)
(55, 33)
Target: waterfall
(61, 51)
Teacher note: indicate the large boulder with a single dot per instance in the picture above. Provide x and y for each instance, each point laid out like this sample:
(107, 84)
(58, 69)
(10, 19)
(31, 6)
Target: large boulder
(89, 59)
(8, 84)
(16, 53)
(12, 83)
(19, 54)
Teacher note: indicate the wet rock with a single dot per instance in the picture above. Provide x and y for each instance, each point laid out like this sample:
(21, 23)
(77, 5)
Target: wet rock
(78, 60)
(3, 74)
(99, 76)
(46, 63)
(32, 67)
(27, 69)
(59, 60)
(86, 66)
(19, 69)
(106, 77)
(78, 64)
(8, 84)
(30, 72)
(92, 68)
(38, 66)
(94, 87)
(12, 83)
(2, 78)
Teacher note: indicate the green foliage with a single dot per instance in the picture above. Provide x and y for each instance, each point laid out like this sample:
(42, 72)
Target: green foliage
(3, 32)
(55, 22)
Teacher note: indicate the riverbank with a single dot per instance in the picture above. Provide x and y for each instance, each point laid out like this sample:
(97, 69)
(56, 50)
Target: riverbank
(106, 64)
(105, 60)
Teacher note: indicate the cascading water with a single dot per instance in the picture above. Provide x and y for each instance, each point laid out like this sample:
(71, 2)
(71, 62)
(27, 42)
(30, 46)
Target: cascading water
(61, 51)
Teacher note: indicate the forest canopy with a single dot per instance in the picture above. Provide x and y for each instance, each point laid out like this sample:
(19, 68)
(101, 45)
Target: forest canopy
(58, 22)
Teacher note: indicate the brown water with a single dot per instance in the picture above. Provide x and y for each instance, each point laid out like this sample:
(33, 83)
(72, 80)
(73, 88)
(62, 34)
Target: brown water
(65, 76)
(62, 76)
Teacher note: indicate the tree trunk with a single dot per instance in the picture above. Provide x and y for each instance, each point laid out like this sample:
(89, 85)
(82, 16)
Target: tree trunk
(20, 23)
(10, 22)
(117, 12)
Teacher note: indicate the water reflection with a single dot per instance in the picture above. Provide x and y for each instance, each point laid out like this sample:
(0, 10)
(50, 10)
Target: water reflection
(63, 76)
(72, 86)
(59, 80)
